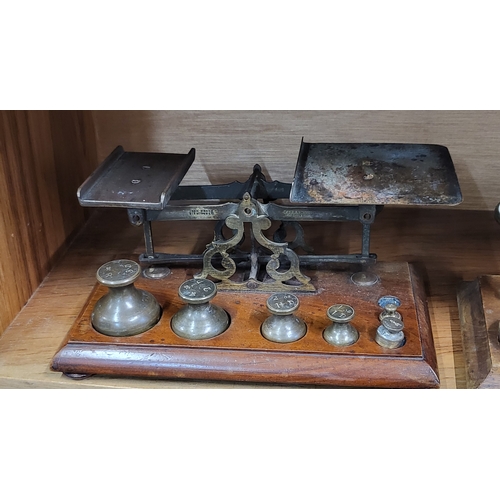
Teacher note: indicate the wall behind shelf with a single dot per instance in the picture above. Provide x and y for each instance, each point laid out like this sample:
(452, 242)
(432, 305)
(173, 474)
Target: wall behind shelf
(44, 157)
(229, 143)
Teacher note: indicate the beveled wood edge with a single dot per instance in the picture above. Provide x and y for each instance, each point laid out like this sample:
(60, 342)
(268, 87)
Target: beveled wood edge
(424, 322)
(474, 332)
(174, 362)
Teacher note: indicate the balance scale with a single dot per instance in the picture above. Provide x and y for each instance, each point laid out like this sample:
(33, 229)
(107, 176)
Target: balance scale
(259, 304)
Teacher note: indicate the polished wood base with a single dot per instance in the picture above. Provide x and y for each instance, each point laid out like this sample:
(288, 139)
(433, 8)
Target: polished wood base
(479, 309)
(241, 353)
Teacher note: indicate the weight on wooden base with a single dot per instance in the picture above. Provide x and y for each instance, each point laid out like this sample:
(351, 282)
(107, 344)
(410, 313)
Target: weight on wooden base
(340, 332)
(124, 310)
(283, 326)
(199, 319)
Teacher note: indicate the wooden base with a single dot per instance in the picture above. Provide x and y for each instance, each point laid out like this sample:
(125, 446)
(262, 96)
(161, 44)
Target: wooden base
(241, 353)
(479, 309)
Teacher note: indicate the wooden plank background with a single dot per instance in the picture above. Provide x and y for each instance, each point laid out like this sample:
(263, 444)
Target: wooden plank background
(229, 143)
(44, 157)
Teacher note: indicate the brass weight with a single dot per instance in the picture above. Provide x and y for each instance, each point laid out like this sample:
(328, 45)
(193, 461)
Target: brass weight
(390, 333)
(199, 319)
(283, 326)
(124, 310)
(340, 332)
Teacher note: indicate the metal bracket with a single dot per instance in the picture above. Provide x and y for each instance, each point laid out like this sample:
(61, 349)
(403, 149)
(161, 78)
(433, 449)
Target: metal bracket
(248, 211)
(220, 212)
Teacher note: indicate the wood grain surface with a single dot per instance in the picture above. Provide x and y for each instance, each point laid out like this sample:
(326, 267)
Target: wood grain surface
(479, 308)
(44, 157)
(229, 143)
(447, 246)
(474, 333)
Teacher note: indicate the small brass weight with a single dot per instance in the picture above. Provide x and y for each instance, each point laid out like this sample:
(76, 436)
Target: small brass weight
(340, 332)
(390, 333)
(389, 304)
(283, 326)
(199, 319)
(124, 310)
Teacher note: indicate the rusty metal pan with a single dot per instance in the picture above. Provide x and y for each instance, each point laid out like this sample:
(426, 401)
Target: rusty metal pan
(375, 174)
(135, 180)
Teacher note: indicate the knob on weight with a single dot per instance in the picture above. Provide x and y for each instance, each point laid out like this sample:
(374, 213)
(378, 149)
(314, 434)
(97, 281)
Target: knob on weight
(390, 310)
(124, 310)
(199, 319)
(283, 326)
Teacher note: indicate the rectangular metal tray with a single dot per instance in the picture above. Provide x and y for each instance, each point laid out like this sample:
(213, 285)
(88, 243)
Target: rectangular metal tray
(375, 174)
(135, 180)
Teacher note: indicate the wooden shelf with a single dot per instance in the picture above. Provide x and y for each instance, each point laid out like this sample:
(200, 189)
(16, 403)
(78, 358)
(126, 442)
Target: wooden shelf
(447, 246)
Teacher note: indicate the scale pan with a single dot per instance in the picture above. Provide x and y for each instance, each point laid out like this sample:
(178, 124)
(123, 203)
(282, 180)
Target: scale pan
(375, 174)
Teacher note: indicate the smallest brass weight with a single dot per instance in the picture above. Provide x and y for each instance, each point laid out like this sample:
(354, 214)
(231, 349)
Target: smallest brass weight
(390, 310)
(389, 304)
(340, 333)
(283, 326)
(199, 319)
(124, 310)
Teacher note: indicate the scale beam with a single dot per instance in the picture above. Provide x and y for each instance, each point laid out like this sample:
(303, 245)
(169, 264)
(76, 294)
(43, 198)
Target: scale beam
(333, 182)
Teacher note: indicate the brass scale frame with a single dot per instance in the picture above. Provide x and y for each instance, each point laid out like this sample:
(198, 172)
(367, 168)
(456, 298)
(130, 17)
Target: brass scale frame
(333, 182)
(259, 214)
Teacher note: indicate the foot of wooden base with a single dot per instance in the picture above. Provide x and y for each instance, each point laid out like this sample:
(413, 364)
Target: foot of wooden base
(77, 376)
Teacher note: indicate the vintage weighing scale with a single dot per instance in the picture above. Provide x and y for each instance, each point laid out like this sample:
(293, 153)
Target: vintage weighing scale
(255, 307)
